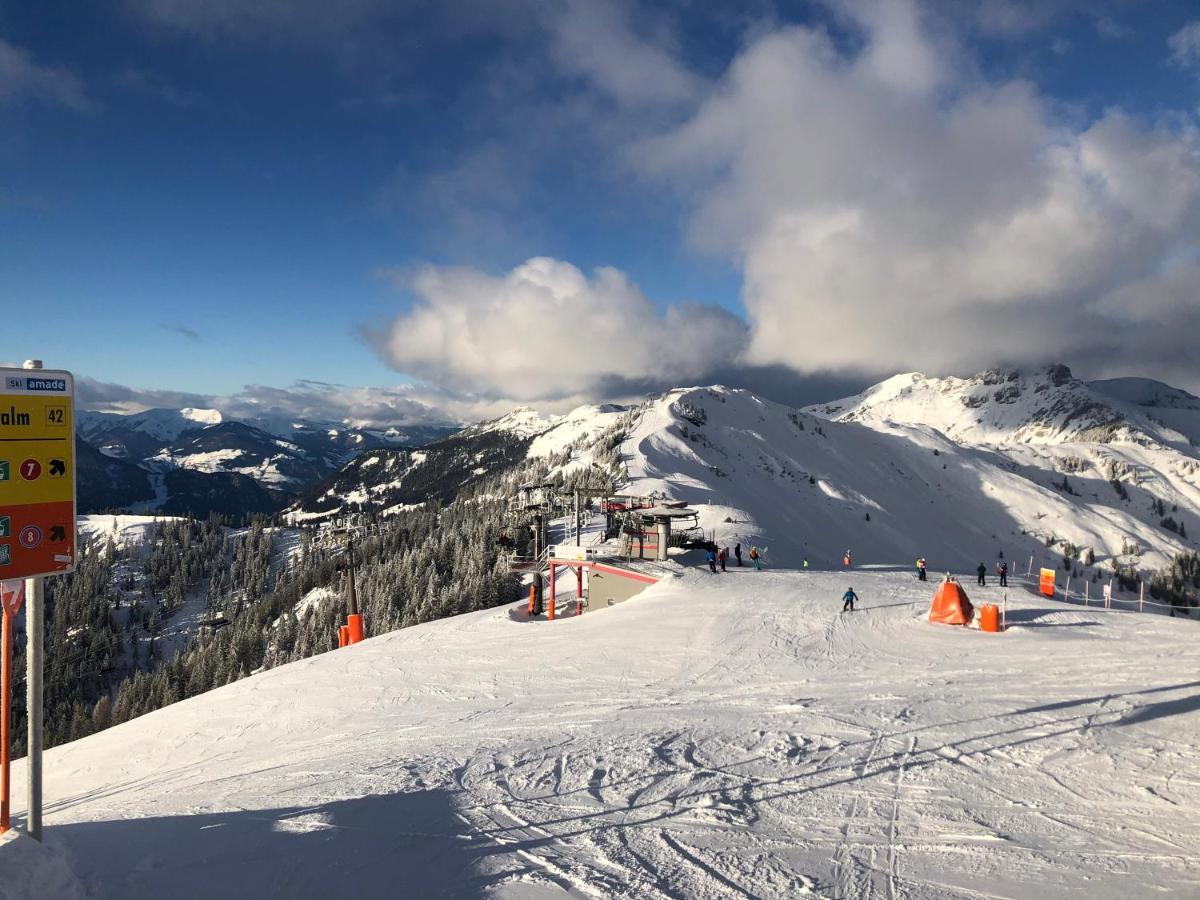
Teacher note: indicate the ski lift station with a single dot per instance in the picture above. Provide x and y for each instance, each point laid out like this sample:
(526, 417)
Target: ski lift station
(648, 534)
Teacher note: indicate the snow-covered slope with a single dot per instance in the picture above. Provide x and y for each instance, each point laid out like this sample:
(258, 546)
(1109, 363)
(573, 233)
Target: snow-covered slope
(719, 736)
(1044, 406)
(386, 479)
(1121, 456)
(765, 474)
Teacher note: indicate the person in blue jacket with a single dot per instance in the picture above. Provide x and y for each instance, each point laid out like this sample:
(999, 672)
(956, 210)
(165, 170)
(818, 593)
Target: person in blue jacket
(712, 560)
(848, 599)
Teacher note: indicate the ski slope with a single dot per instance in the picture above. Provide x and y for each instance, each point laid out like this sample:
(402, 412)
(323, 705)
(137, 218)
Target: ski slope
(718, 736)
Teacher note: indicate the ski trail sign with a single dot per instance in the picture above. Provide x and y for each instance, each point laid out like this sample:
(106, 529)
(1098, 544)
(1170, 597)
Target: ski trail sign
(37, 473)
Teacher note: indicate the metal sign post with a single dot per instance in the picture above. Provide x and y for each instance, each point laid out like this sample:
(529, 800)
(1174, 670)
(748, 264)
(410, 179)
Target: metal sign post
(12, 595)
(37, 517)
(34, 587)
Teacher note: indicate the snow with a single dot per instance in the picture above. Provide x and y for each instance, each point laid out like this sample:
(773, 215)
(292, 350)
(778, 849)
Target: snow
(763, 474)
(314, 599)
(125, 530)
(202, 416)
(524, 421)
(727, 735)
(582, 422)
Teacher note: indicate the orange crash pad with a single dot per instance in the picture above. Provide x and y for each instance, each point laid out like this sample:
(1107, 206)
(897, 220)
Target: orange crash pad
(950, 605)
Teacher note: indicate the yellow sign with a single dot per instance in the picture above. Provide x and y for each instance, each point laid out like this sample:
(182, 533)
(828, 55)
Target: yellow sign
(37, 473)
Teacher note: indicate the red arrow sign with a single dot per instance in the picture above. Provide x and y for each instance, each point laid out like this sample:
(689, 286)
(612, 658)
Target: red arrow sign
(12, 595)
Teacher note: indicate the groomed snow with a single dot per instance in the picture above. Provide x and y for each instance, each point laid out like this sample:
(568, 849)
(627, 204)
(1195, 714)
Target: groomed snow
(728, 735)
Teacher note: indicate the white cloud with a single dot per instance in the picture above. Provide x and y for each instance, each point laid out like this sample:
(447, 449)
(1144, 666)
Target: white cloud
(547, 331)
(21, 76)
(597, 42)
(890, 217)
(1185, 45)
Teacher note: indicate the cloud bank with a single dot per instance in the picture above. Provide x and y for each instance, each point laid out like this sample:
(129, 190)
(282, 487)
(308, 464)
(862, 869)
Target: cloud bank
(891, 213)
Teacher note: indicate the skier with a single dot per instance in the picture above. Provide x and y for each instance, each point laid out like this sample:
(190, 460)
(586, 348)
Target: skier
(847, 559)
(1002, 571)
(737, 552)
(982, 572)
(848, 599)
(922, 573)
(722, 556)
(711, 556)
(754, 557)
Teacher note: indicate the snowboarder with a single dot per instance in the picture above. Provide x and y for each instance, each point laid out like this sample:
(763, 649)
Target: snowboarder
(737, 552)
(711, 556)
(847, 559)
(922, 573)
(754, 557)
(722, 556)
(848, 599)
(982, 572)
(1002, 571)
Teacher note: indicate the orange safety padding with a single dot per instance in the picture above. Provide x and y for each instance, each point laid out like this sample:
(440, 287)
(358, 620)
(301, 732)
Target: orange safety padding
(989, 617)
(343, 635)
(354, 628)
(1046, 582)
(950, 605)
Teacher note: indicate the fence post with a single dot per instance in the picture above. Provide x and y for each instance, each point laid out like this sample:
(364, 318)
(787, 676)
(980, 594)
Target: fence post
(1087, 592)
(1067, 591)
(1030, 572)
(1141, 596)
(1108, 597)
(1004, 613)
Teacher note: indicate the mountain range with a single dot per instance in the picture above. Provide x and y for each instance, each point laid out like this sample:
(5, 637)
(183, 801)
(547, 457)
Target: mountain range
(1020, 459)
(198, 461)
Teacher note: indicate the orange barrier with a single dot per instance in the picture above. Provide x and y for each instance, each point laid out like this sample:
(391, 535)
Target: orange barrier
(532, 595)
(950, 605)
(354, 628)
(989, 617)
(1046, 583)
(343, 636)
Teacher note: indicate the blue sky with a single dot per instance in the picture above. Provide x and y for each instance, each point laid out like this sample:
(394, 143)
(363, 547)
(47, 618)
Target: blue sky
(204, 199)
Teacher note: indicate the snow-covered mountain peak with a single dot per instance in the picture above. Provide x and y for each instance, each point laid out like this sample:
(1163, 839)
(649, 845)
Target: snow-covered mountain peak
(524, 421)
(1046, 405)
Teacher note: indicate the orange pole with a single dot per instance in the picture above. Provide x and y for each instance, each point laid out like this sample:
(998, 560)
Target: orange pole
(6, 721)
(342, 635)
(354, 628)
(579, 583)
(550, 608)
(532, 593)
